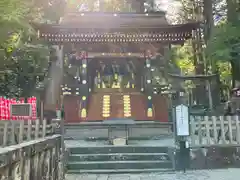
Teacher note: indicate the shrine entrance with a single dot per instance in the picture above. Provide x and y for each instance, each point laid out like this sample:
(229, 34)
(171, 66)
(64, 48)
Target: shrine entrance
(115, 73)
(110, 74)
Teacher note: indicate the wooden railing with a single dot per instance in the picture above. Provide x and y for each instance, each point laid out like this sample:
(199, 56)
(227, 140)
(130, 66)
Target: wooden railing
(38, 159)
(215, 131)
(205, 131)
(30, 150)
(15, 132)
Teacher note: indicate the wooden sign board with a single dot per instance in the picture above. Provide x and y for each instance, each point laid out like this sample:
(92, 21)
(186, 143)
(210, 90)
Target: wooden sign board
(21, 109)
(182, 120)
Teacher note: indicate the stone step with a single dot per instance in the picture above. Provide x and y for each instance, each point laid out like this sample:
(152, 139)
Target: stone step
(119, 171)
(92, 139)
(92, 165)
(118, 149)
(119, 157)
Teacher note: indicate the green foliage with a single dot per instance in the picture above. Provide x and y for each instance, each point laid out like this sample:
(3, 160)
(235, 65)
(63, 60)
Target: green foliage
(182, 56)
(225, 72)
(225, 40)
(224, 51)
(23, 60)
(223, 47)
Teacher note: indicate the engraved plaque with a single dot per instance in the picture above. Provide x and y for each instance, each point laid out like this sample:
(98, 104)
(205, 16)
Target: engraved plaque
(21, 109)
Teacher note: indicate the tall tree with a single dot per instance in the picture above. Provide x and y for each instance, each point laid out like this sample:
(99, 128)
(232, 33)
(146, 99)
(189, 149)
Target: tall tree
(224, 45)
(24, 59)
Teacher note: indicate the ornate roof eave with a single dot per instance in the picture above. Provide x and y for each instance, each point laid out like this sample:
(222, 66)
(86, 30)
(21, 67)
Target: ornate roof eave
(55, 28)
(116, 32)
(78, 14)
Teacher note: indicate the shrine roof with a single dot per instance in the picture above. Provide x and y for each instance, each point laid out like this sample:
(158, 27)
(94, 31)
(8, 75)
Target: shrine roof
(140, 21)
(53, 28)
(116, 20)
(117, 28)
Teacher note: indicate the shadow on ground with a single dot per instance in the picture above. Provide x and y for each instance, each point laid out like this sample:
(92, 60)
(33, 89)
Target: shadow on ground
(215, 158)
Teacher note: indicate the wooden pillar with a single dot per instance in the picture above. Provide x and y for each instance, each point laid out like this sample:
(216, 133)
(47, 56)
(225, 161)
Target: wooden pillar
(148, 83)
(166, 55)
(85, 86)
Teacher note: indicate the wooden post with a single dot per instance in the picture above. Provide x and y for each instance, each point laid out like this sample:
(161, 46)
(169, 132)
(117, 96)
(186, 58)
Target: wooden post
(54, 162)
(36, 134)
(41, 164)
(29, 130)
(206, 121)
(192, 131)
(200, 131)
(222, 129)
(21, 159)
(44, 127)
(13, 139)
(47, 162)
(237, 129)
(36, 165)
(215, 134)
(230, 132)
(21, 131)
(27, 168)
(5, 133)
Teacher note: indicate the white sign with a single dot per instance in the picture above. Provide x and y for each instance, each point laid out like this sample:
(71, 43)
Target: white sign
(58, 113)
(182, 120)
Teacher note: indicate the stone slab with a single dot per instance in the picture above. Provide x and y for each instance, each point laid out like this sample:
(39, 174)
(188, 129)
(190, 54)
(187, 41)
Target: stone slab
(223, 174)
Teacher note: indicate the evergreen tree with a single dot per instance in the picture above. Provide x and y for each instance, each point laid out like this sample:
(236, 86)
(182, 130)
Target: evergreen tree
(24, 58)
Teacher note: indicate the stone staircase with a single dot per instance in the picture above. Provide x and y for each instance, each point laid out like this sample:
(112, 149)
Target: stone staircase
(119, 159)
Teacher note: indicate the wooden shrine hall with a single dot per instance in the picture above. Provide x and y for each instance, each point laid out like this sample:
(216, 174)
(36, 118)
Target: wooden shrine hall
(108, 62)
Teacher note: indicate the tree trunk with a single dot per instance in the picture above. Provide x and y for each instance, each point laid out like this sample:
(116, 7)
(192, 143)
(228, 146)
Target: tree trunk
(234, 73)
(208, 18)
(232, 17)
(232, 11)
(200, 93)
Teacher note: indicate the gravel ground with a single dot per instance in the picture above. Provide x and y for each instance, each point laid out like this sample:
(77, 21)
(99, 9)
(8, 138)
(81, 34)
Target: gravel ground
(224, 174)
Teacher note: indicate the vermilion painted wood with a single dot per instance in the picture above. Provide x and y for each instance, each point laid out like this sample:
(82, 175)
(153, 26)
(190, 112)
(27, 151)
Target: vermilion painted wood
(138, 107)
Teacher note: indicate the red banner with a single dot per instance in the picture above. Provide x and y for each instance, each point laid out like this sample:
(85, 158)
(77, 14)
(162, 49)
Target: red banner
(5, 105)
(33, 102)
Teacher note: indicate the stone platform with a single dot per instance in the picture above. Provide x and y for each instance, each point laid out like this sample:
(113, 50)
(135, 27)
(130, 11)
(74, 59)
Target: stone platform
(218, 157)
(223, 174)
